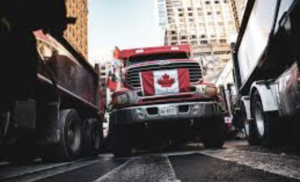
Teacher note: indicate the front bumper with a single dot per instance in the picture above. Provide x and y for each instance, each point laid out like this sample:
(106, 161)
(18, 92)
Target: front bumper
(153, 113)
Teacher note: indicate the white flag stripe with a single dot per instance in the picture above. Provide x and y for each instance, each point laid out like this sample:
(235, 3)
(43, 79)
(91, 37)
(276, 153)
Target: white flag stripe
(146, 169)
(159, 89)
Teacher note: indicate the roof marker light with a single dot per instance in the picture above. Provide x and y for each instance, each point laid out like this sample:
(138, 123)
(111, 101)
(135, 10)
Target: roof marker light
(139, 51)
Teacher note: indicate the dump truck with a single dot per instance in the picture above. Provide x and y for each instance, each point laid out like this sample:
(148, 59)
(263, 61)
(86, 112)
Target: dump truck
(266, 71)
(63, 120)
(162, 99)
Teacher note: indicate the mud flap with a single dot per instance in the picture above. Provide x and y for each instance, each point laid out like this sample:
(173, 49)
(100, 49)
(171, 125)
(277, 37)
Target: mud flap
(25, 114)
(48, 117)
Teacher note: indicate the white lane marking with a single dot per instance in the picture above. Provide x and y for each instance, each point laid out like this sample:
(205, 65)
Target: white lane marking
(48, 172)
(142, 169)
(17, 171)
(282, 165)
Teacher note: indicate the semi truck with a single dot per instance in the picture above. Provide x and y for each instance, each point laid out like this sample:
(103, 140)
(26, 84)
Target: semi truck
(163, 99)
(63, 120)
(266, 71)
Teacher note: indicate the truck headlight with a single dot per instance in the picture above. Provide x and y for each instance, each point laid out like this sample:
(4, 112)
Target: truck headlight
(207, 90)
(126, 97)
(122, 99)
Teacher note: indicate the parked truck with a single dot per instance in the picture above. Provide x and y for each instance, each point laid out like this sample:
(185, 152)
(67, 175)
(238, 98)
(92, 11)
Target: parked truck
(62, 120)
(266, 69)
(163, 97)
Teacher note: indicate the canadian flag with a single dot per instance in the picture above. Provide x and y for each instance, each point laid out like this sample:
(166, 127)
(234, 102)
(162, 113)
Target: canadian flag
(164, 82)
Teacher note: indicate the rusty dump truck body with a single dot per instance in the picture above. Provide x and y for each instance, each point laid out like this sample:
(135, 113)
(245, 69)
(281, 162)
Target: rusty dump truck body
(61, 121)
(74, 77)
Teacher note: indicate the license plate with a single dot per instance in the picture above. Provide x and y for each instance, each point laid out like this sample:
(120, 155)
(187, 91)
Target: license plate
(167, 111)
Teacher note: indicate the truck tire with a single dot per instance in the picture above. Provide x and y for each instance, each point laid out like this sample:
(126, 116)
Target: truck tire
(92, 137)
(70, 145)
(265, 129)
(119, 142)
(249, 129)
(213, 135)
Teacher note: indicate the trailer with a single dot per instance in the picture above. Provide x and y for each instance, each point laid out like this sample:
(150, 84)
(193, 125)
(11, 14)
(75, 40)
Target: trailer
(266, 71)
(63, 119)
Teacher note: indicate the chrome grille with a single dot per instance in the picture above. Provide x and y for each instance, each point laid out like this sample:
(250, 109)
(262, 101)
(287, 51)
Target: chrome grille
(133, 77)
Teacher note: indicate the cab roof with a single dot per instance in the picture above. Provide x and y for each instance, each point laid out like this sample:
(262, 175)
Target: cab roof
(126, 53)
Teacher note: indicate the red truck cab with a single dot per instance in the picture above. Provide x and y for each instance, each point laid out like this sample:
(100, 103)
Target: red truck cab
(163, 98)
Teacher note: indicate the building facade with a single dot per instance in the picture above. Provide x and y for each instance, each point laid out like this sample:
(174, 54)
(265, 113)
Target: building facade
(162, 18)
(238, 7)
(77, 34)
(206, 25)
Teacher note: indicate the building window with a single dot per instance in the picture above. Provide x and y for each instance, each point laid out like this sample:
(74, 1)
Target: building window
(208, 13)
(217, 2)
(203, 42)
(183, 37)
(223, 41)
(207, 2)
(193, 37)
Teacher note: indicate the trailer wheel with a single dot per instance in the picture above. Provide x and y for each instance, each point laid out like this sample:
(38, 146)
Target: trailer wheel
(244, 121)
(119, 142)
(249, 128)
(69, 147)
(213, 132)
(265, 129)
(92, 137)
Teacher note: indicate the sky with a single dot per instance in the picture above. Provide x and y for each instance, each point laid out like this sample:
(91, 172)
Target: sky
(122, 23)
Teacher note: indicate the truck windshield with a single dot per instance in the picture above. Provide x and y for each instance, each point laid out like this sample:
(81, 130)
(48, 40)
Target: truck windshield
(156, 57)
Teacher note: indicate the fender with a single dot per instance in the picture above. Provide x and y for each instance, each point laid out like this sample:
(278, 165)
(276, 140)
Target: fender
(268, 91)
(246, 103)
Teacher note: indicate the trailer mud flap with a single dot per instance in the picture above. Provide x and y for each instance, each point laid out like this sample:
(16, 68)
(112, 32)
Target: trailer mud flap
(25, 114)
(48, 118)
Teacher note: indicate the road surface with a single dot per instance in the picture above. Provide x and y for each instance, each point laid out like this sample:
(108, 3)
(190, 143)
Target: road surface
(235, 162)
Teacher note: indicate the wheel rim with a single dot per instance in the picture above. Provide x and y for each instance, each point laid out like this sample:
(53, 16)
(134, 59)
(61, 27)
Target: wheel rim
(74, 136)
(259, 118)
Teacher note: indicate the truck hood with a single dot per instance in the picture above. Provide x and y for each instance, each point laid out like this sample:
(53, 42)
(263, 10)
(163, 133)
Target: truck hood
(160, 62)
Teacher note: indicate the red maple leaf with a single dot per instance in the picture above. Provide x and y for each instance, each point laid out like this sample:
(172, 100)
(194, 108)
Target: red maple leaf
(166, 81)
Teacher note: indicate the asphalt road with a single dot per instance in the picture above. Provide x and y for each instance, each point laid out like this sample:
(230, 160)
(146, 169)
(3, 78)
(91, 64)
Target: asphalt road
(235, 162)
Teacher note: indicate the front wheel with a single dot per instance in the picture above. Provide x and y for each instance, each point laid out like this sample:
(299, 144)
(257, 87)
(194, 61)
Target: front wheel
(213, 132)
(119, 142)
